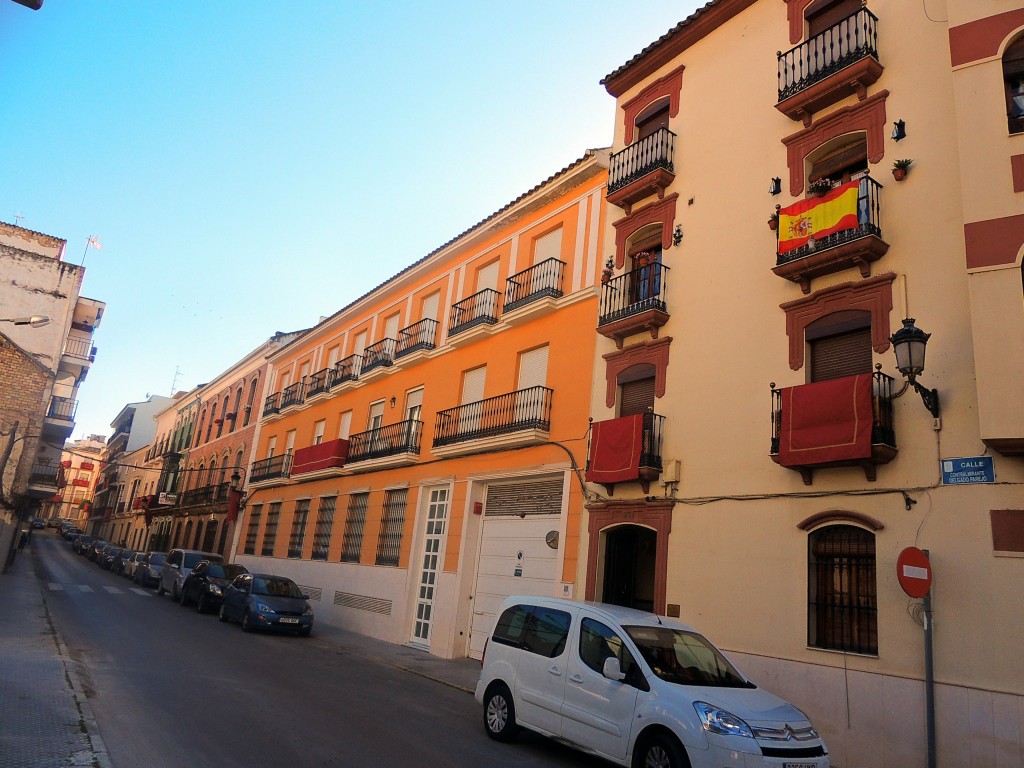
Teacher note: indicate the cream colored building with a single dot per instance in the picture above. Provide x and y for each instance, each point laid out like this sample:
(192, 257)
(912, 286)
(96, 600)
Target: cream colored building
(756, 464)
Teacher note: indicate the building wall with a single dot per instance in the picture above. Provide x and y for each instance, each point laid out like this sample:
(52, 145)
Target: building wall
(380, 600)
(737, 558)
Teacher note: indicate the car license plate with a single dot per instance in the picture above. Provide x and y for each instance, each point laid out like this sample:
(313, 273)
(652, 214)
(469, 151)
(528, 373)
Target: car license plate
(289, 621)
(801, 764)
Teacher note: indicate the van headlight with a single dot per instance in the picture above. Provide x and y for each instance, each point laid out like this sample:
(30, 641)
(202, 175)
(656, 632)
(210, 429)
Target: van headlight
(720, 721)
(264, 608)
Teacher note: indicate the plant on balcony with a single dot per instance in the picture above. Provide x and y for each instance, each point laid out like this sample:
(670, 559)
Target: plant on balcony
(819, 187)
(608, 271)
(900, 169)
(773, 220)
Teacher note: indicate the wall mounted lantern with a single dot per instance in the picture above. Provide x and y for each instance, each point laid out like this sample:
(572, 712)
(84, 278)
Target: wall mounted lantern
(775, 188)
(909, 344)
(899, 130)
(677, 235)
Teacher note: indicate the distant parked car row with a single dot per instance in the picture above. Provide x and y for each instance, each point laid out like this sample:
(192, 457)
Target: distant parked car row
(254, 600)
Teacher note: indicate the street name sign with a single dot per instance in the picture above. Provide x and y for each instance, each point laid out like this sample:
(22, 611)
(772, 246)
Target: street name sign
(966, 471)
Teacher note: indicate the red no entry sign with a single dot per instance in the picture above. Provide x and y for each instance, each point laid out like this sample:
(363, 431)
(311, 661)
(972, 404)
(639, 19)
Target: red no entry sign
(914, 572)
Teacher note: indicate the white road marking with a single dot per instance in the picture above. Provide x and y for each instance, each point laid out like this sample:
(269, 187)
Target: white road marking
(55, 587)
(140, 591)
(84, 588)
(114, 590)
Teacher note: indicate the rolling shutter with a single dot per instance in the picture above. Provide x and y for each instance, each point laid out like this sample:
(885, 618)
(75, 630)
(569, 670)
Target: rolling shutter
(533, 368)
(636, 397)
(845, 354)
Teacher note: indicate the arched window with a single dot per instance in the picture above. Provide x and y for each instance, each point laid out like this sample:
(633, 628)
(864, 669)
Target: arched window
(1013, 81)
(234, 411)
(211, 477)
(636, 389)
(825, 14)
(839, 344)
(249, 403)
(842, 612)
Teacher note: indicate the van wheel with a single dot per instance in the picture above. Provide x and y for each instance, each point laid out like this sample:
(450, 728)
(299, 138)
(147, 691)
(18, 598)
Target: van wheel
(221, 614)
(661, 751)
(201, 603)
(500, 714)
(246, 622)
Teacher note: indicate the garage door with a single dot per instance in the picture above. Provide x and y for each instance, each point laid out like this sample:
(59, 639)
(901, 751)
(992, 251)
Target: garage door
(514, 555)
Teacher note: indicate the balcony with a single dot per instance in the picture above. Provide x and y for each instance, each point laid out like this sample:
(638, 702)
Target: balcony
(346, 370)
(274, 468)
(626, 450)
(844, 422)
(539, 282)
(60, 418)
(80, 348)
(642, 169)
(511, 420)
(205, 494)
(45, 480)
(417, 337)
(379, 355)
(320, 459)
(318, 383)
(393, 445)
(477, 310)
(855, 241)
(633, 303)
(272, 404)
(293, 394)
(830, 66)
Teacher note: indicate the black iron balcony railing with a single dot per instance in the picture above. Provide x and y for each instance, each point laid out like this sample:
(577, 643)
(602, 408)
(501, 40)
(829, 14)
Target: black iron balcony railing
(882, 432)
(479, 309)
(640, 158)
(379, 355)
(62, 408)
(869, 222)
(79, 347)
(293, 394)
(839, 46)
(421, 335)
(318, 382)
(394, 439)
(543, 280)
(206, 494)
(46, 474)
(346, 370)
(272, 468)
(642, 289)
(272, 404)
(653, 432)
(512, 412)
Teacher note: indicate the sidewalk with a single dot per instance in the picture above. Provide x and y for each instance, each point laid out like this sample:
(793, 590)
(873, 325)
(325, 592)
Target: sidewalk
(45, 719)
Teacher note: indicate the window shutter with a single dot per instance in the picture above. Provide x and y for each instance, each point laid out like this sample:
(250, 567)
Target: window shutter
(548, 246)
(821, 16)
(533, 368)
(636, 397)
(473, 385)
(391, 327)
(845, 354)
(487, 277)
(430, 305)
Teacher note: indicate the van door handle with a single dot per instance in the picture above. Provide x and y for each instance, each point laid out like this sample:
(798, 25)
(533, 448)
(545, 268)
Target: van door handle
(576, 678)
(555, 671)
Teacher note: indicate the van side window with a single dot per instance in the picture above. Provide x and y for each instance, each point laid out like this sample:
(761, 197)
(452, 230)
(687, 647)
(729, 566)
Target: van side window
(536, 629)
(598, 642)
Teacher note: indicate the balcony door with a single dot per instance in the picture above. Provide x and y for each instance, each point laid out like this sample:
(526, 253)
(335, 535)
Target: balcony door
(840, 345)
(533, 372)
(472, 392)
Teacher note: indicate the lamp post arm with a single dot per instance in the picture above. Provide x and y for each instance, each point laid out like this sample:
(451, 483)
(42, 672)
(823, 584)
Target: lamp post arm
(930, 397)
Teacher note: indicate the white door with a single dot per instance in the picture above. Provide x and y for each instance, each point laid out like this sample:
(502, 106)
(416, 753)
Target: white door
(515, 557)
(433, 539)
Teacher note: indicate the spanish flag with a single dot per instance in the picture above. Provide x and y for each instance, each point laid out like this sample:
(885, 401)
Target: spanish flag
(820, 216)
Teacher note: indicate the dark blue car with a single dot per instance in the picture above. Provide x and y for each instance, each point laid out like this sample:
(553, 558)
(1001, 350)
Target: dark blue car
(263, 601)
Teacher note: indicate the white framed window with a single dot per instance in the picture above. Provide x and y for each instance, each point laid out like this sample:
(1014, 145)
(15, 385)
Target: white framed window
(271, 446)
(289, 441)
(345, 426)
(318, 431)
(548, 246)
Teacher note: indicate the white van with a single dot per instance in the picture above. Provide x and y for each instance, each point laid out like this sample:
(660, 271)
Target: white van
(633, 688)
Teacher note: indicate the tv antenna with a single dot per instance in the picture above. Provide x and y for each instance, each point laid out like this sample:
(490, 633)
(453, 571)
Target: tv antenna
(174, 381)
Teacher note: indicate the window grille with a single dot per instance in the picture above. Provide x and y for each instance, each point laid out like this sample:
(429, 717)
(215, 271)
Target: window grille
(352, 541)
(298, 528)
(324, 526)
(270, 533)
(390, 541)
(250, 533)
(842, 602)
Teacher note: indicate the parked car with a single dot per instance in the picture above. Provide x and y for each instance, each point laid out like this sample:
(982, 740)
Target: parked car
(633, 688)
(147, 572)
(206, 584)
(94, 550)
(118, 563)
(82, 543)
(178, 566)
(106, 556)
(72, 538)
(38, 522)
(131, 564)
(263, 601)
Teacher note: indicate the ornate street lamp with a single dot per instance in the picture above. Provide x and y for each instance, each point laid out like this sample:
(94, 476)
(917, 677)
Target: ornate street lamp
(909, 344)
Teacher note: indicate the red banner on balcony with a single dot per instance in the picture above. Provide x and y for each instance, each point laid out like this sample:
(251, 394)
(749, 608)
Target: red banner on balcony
(826, 421)
(818, 216)
(615, 449)
(324, 456)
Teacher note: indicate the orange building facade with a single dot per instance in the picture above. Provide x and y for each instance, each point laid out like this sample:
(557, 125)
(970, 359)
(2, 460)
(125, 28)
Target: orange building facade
(420, 453)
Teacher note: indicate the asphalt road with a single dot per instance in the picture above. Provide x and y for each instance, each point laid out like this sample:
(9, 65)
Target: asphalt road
(171, 688)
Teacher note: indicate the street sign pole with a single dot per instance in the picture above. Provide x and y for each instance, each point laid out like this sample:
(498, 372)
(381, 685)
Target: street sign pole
(929, 677)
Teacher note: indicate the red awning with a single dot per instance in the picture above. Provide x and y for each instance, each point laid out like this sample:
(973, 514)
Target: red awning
(615, 449)
(324, 456)
(826, 421)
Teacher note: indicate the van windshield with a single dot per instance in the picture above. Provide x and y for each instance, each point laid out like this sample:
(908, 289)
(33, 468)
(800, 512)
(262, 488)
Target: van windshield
(685, 658)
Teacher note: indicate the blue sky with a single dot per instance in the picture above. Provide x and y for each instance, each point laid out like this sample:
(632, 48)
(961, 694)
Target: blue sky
(252, 166)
